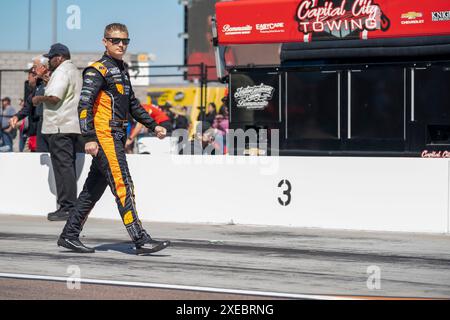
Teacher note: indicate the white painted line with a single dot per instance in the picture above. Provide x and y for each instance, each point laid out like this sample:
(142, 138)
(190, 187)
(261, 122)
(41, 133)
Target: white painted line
(177, 287)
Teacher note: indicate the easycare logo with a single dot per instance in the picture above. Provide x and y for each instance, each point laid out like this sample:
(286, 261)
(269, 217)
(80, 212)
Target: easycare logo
(269, 26)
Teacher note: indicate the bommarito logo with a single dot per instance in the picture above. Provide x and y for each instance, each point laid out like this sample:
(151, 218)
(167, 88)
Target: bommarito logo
(254, 97)
(229, 30)
(441, 16)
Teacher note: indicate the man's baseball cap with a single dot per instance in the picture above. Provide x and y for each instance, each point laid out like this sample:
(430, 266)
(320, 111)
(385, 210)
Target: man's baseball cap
(57, 49)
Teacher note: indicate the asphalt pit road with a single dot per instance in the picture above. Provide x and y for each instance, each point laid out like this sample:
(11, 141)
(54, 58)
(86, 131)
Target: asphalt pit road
(74, 252)
(125, 248)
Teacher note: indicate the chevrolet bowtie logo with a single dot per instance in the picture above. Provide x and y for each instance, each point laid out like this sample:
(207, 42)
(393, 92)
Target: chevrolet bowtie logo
(412, 15)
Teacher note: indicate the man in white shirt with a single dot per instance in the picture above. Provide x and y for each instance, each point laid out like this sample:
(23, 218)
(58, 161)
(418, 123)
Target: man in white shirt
(60, 123)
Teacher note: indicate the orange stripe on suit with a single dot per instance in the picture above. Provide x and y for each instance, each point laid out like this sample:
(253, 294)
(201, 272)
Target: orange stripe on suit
(102, 116)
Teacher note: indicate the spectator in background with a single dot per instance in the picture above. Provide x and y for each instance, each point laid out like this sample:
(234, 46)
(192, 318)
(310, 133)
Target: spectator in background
(224, 108)
(180, 121)
(60, 122)
(22, 126)
(221, 126)
(139, 131)
(210, 113)
(199, 142)
(24, 119)
(207, 140)
(43, 72)
(7, 132)
(37, 141)
(215, 141)
(166, 107)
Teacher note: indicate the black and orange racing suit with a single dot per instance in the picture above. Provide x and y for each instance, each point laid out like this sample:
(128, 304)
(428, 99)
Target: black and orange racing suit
(106, 100)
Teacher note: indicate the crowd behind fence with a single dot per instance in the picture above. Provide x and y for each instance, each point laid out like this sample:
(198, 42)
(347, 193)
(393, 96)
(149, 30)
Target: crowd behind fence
(205, 121)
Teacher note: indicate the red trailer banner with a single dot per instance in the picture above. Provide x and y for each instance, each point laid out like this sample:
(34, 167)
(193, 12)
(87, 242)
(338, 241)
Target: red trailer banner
(281, 21)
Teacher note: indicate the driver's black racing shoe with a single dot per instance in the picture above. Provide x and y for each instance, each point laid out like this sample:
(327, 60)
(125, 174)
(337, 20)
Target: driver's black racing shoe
(151, 246)
(74, 245)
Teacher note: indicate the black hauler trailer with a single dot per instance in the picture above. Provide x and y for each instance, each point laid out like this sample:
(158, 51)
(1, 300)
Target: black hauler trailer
(358, 96)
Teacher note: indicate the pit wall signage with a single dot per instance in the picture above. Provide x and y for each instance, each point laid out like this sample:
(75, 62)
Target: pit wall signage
(435, 154)
(254, 21)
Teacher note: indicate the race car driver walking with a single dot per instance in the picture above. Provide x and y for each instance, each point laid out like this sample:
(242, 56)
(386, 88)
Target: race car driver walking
(106, 99)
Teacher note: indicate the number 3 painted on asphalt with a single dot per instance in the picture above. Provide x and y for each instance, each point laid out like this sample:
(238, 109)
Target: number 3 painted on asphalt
(287, 192)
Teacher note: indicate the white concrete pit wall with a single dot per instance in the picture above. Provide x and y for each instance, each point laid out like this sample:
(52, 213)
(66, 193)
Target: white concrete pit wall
(385, 194)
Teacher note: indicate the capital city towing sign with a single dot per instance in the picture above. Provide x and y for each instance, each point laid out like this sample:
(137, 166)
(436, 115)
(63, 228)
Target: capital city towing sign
(255, 21)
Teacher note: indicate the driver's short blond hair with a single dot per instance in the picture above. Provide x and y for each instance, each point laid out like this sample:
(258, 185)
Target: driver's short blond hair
(115, 27)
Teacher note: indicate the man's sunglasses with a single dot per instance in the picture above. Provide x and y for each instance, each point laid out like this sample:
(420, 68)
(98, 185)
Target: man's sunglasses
(125, 41)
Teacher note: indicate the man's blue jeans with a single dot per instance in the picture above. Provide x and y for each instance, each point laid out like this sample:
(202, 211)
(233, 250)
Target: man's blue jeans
(6, 143)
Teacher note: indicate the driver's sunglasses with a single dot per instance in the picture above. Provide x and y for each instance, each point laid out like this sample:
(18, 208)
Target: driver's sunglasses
(116, 41)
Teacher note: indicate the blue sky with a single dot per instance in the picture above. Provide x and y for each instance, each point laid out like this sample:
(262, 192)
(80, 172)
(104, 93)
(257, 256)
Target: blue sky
(154, 25)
